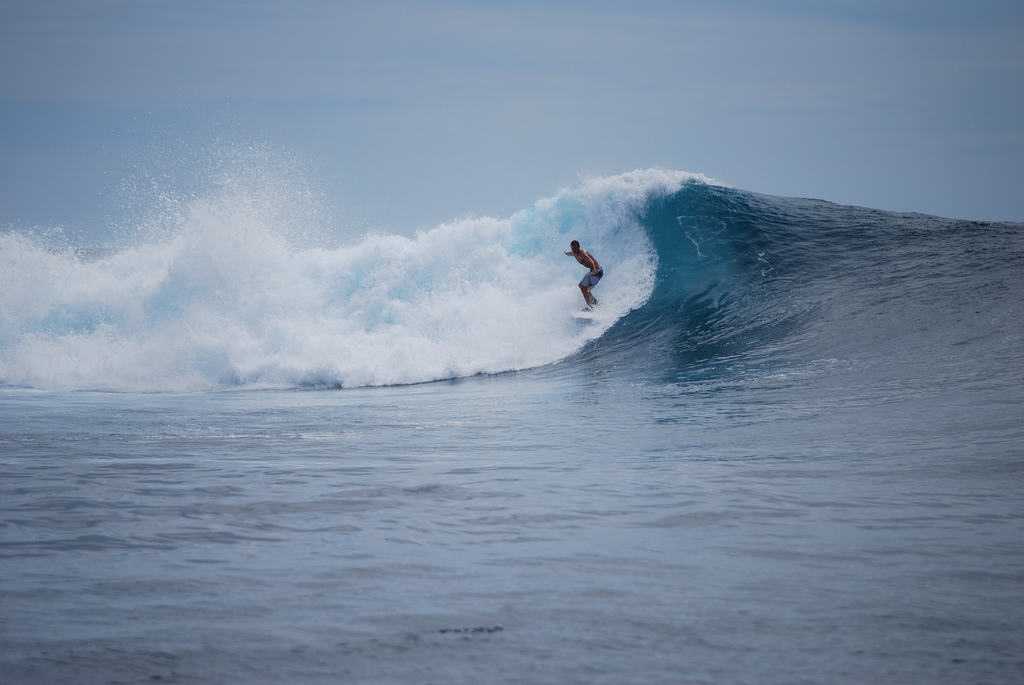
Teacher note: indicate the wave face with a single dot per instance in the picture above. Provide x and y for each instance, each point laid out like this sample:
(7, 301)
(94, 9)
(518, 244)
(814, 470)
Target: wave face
(748, 281)
(699, 278)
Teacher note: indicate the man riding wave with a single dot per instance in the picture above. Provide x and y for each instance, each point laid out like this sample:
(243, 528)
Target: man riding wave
(591, 279)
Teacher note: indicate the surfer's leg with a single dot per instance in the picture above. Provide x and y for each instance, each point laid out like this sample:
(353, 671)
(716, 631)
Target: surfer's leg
(586, 294)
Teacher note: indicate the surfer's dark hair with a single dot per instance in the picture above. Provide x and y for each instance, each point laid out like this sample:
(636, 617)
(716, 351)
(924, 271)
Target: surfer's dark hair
(574, 243)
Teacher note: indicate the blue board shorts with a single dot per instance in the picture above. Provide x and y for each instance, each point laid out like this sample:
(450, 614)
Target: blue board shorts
(591, 279)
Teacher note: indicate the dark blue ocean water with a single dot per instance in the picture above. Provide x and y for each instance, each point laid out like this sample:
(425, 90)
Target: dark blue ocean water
(787, 447)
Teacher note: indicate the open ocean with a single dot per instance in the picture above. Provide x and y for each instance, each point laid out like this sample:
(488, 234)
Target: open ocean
(787, 448)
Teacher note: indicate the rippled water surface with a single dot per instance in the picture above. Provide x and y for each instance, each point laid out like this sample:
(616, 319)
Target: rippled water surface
(531, 527)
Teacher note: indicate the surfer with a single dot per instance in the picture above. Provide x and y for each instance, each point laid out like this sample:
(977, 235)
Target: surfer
(591, 279)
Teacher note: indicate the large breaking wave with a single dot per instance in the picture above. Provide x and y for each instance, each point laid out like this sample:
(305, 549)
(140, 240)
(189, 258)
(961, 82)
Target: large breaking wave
(221, 295)
(699, 277)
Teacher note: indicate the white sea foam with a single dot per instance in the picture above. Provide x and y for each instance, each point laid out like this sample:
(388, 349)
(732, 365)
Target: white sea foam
(224, 297)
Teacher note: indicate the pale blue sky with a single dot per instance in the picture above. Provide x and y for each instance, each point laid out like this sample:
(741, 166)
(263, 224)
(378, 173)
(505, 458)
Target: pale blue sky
(407, 114)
